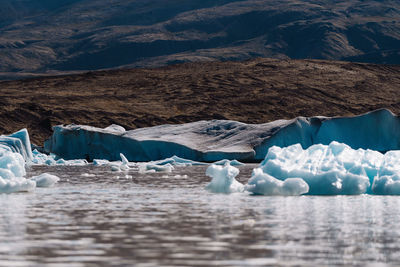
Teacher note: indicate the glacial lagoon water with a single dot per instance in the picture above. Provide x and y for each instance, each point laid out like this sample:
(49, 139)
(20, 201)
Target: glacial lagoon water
(97, 217)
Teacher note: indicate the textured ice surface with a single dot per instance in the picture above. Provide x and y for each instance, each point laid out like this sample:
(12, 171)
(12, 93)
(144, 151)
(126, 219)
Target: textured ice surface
(43, 159)
(45, 180)
(222, 139)
(12, 170)
(262, 183)
(336, 168)
(18, 142)
(223, 179)
(13, 153)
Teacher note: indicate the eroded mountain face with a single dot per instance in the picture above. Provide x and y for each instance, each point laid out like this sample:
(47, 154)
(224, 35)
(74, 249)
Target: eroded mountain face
(69, 35)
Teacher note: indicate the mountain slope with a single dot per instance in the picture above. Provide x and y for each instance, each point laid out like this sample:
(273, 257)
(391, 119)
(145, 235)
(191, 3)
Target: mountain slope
(254, 91)
(70, 35)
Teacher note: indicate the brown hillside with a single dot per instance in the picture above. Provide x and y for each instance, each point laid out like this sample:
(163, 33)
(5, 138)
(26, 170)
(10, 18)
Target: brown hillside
(255, 91)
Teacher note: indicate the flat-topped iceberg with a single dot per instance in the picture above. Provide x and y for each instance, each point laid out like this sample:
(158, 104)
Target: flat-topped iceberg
(214, 140)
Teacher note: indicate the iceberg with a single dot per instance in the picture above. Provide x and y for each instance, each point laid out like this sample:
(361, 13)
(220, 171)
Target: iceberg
(15, 153)
(205, 141)
(223, 179)
(14, 150)
(210, 141)
(18, 142)
(334, 169)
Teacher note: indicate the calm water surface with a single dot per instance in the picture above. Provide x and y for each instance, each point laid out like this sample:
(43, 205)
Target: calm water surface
(95, 217)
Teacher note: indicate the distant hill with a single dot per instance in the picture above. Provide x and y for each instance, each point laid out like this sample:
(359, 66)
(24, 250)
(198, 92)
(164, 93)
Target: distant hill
(73, 35)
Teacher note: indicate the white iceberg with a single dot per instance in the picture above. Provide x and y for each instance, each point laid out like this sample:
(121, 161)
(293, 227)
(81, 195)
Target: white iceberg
(13, 154)
(45, 180)
(262, 183)
(18, 142)
(336, 168)
(223, 179)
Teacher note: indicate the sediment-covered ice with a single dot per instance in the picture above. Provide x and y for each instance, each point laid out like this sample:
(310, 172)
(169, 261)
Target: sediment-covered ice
(45, 180)
(223, 179)
(210, 141)
(336, 168)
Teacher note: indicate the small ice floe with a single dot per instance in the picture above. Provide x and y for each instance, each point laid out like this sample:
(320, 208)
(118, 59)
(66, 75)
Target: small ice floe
(118, 166)
(45, 180)
(100, 162)
(150, 167)
(223, 179)
(51, 160)
(231, 162)
(181, 176)
(166, 165)
(177, 161)
(88, 174)
(264, 184)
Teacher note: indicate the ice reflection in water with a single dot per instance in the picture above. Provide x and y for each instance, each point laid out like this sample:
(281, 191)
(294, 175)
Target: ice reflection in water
(160, 219)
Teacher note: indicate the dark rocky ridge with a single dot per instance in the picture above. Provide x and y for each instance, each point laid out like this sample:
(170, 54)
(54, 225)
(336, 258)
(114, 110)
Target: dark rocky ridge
(254, 91)
(75, 35)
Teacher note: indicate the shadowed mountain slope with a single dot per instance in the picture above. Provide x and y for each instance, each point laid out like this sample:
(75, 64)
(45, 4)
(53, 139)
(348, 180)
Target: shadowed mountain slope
(75, 35)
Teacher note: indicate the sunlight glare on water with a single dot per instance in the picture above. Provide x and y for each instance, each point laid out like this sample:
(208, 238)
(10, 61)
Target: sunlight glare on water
(97, 217)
